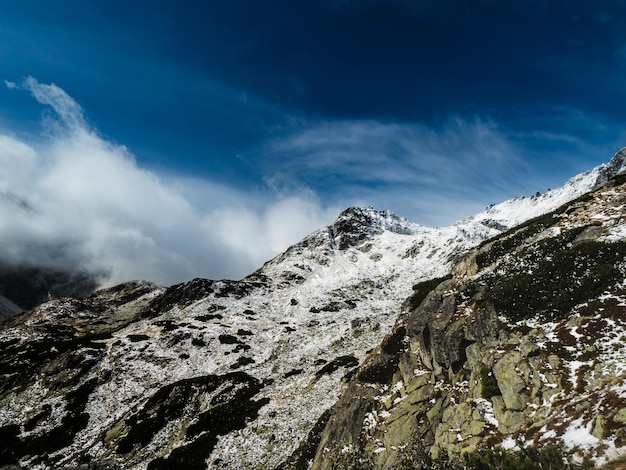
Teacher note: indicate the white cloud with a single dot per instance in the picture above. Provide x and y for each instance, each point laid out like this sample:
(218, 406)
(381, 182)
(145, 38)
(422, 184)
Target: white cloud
(66, 108)
(76, 200)
(277, 226)
(17, 160)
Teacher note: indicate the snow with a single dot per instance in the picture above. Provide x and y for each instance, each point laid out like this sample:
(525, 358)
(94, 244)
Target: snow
(578, 435)
(548, 434)
(509, 443)
(485, 408)
(515, 211)
(615, 234)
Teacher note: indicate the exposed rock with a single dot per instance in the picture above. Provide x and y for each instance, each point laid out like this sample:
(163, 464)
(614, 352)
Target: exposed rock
(510, 383)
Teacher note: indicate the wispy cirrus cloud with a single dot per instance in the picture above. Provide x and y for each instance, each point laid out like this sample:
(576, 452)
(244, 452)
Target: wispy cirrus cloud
(353, 147)
(395, 165)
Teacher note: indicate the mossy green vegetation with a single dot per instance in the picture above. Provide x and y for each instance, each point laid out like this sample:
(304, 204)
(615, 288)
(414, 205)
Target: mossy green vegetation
(509, 240)
(553, 276)
(415, 457)
(548, 277)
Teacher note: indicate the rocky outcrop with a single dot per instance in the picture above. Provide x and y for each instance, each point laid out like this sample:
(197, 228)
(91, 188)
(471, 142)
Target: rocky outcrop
(356, 224)
(525, 345)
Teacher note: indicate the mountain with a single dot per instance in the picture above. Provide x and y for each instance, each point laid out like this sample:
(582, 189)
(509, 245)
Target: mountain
(523, 345)
(29, 286)
(262, 372)
(8, 309)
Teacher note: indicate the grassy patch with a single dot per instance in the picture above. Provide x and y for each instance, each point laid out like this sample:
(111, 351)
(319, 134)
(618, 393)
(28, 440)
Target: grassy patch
(509, 240)
(529, 458)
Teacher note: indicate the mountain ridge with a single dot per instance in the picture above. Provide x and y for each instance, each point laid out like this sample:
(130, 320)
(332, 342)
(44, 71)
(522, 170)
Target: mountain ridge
(279, 345)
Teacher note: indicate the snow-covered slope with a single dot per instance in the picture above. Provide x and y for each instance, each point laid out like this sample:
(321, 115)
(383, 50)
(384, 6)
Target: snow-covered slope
(517, 210)
(292, 331)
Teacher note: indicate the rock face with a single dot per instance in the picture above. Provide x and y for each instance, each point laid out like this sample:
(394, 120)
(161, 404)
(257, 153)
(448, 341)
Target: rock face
(524, 345)
(307, 359)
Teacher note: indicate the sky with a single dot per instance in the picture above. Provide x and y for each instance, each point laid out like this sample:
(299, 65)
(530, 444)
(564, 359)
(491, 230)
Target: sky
(168, 140)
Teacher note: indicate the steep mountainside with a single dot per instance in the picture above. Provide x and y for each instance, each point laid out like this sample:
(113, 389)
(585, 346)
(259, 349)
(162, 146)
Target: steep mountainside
(525, 345)
(244, 374)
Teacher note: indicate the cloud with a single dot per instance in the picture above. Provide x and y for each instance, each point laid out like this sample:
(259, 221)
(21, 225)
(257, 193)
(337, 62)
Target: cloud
(402, 165)
(77, 201)
(68, 110)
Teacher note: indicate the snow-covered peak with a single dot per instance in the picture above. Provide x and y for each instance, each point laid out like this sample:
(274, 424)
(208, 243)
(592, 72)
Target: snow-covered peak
(356, 224)
(616, 166)
(375, 220)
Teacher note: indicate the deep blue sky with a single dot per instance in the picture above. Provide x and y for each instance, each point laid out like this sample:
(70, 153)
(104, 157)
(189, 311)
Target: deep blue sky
(431, 108)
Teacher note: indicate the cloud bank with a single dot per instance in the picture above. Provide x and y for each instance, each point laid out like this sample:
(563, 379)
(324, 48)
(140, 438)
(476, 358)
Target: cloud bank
(74, 200)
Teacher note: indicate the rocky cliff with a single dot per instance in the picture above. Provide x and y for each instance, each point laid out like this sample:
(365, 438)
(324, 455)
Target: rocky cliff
(315, 357)
(524, 345)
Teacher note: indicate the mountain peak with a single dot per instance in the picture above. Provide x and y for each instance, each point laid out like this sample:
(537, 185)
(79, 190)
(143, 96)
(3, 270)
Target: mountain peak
(615, 167)
(356, 224)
